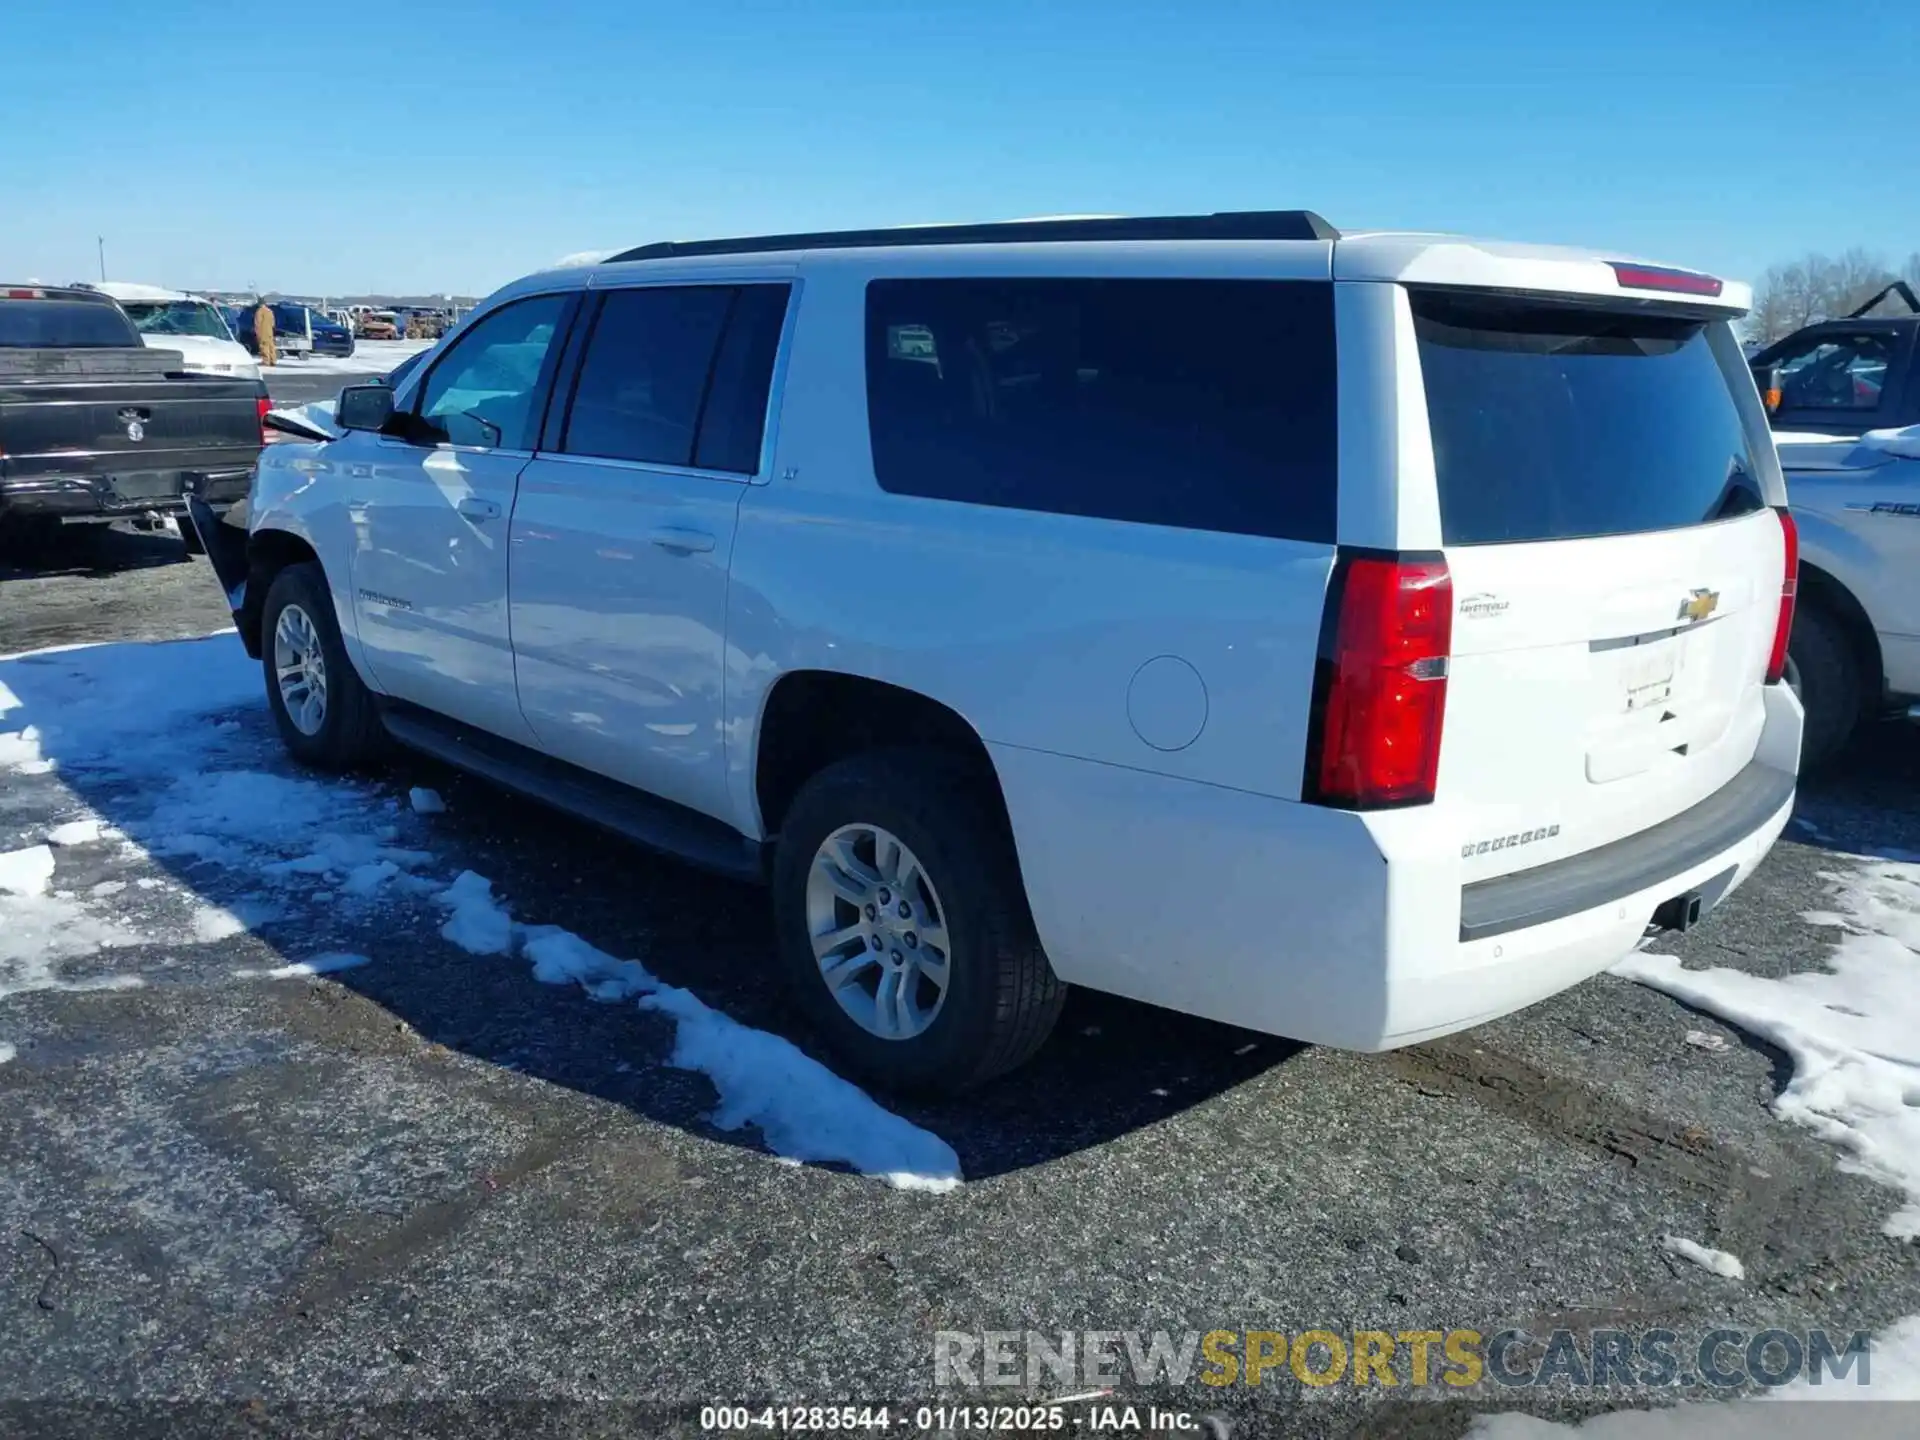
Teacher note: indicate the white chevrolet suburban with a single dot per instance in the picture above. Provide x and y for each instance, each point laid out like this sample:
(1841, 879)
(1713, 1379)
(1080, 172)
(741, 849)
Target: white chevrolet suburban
(1351, 637)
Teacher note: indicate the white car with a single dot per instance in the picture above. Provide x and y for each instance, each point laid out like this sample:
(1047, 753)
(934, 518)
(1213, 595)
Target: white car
(1354, 638)
(191, 324)
(1856, 638)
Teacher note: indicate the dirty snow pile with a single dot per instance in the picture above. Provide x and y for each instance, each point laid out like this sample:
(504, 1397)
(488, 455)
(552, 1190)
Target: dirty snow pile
(1705, 1256)
(147, 732)
(1852, 1030)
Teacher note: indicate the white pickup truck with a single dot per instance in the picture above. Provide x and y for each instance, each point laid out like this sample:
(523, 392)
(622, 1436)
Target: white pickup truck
(1855, 648)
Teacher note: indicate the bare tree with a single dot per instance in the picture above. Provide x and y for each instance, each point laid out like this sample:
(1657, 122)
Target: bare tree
(1816, 287)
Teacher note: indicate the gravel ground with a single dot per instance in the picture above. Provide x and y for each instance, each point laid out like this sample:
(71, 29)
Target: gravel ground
(431, 1178)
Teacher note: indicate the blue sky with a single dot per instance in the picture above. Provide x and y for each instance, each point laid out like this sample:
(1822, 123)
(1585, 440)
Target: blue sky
(421, 145)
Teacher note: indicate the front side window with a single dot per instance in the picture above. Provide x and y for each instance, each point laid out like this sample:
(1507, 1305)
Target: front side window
(1843, 372)
(483, 391)
(1201, 404)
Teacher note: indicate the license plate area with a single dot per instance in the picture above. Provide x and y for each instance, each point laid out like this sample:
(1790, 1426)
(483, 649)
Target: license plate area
(1646, 674)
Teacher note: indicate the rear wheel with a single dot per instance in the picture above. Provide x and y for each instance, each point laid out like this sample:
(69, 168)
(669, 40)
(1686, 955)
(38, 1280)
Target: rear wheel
(903, 925)
(1828, 683)
(326, 717)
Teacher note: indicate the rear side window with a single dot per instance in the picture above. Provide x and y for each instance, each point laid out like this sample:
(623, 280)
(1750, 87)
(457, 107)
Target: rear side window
(1202, 404)
(64, 325)
(1558, 421)
(678, 375)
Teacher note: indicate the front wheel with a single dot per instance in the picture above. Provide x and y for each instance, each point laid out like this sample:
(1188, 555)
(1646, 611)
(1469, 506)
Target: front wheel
(325, 715)
(903, 924)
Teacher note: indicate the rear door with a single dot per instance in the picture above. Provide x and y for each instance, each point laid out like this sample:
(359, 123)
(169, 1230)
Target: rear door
(624, 533)
(1616, 567)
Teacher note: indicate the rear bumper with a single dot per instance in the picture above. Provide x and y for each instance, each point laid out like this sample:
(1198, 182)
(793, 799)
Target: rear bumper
(1294, 920)
(106, 497)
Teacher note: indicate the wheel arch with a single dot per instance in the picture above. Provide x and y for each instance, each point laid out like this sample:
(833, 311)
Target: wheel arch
(811, 718)
(1820, 588)
(269, 551)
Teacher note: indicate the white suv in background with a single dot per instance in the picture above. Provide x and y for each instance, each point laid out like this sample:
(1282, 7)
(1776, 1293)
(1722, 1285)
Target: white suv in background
(1354, 638)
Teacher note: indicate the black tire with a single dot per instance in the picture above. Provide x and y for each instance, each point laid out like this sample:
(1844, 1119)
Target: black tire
(1002, 997)
(349, 732)
(1829, 684)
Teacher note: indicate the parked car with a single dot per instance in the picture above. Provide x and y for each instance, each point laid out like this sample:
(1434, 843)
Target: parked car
(187, 324)
(1856, 637)
(1848, 376)
(1353, 639)
(291, 336)
(97, 424)
(378, 325)
(330, 337)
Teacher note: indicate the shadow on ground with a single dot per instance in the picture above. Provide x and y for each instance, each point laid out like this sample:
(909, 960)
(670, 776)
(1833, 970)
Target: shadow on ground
(1112, 1067)
(87, 550)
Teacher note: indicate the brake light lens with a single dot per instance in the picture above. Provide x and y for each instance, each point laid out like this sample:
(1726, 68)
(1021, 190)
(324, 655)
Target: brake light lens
(261, 406)
(1789, 588)
(1381, 688)
(1658, 277)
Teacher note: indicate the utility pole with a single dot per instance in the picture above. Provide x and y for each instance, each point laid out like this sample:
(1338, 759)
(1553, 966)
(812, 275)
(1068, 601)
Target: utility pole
(101, 240)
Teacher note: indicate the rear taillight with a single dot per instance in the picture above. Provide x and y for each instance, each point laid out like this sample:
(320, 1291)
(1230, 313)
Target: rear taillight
(1380, 692)
(1783, 627)
(261, 406)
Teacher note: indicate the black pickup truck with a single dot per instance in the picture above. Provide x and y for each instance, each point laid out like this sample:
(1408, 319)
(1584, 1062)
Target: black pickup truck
(1847, 376)
(95, 426)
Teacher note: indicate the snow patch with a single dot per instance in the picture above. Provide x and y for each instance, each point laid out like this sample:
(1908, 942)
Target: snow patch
(1852, 1031)
(26, 872)
(478, 925)
(804, 1111)
(425, 801)
(78, 832)
(7, 1052)
(212, 922)
(319, 965)
(1707, 1258)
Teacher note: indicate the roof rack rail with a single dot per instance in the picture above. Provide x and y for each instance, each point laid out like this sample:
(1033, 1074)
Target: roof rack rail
(1225, 225)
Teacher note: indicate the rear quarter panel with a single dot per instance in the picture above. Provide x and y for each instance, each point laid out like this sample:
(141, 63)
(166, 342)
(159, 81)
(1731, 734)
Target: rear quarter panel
(1049, 633)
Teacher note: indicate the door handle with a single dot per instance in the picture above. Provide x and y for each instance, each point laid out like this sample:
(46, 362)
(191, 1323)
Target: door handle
(476, 508)
(682, 542)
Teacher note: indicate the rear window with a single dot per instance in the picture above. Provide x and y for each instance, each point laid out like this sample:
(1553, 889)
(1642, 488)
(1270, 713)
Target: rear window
(1558, 421)
(1202, 404)
(64, 325)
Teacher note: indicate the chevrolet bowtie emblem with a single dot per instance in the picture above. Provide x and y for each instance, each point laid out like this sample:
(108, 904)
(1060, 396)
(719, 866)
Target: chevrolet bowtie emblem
(1699, 604)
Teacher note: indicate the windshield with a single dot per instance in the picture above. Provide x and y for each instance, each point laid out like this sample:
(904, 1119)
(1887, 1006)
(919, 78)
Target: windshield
(176, 317)
(1552, 421)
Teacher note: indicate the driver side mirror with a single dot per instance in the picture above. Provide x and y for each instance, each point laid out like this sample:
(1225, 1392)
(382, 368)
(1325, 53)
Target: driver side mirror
(364, 407)
(1769, 388)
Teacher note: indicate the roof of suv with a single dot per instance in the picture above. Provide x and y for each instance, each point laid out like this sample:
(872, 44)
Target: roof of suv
(1403, 257)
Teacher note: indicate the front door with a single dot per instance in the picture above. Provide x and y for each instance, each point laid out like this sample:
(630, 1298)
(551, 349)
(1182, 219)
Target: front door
(430, 559)
(624, 533)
